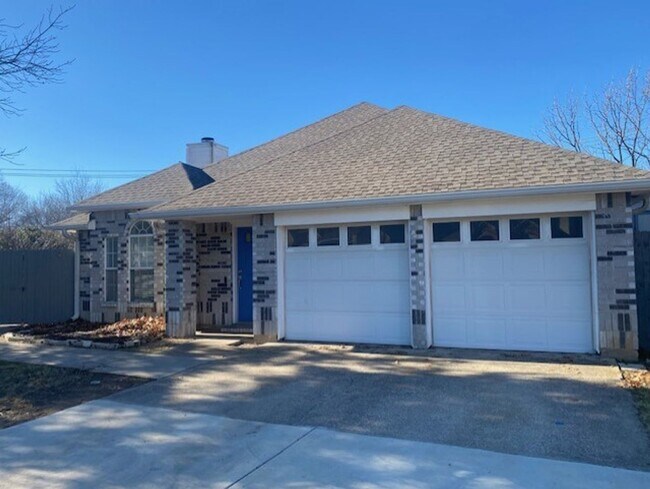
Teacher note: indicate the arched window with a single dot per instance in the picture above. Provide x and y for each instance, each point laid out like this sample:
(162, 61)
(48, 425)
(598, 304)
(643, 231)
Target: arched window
(141, 261)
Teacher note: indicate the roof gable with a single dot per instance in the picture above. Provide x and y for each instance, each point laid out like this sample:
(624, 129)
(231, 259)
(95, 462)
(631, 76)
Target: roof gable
(164, 185)
(404, 152)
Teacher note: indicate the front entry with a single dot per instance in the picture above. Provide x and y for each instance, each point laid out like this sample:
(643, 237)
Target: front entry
(245, 274)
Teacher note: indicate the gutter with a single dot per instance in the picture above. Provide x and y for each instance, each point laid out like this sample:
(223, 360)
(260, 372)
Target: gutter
(618, 186)
(115, 206)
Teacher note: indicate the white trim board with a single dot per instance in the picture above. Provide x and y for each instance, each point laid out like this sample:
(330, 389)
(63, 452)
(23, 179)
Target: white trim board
(510, 206)
(343, 215)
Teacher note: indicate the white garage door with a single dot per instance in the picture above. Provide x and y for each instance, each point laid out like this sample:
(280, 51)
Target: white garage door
(520, 284)
(348, 284)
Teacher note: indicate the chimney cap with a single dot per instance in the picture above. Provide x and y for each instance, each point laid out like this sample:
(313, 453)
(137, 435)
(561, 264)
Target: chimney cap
(207, 140)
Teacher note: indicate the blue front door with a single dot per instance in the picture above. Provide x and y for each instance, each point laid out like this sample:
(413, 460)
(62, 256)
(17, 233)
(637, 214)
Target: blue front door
(245, 274)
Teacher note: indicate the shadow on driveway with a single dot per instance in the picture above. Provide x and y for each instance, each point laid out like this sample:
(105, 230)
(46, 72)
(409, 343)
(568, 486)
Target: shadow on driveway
(571, 408)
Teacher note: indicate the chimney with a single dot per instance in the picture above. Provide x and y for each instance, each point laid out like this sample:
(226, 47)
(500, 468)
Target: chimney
(204, 153)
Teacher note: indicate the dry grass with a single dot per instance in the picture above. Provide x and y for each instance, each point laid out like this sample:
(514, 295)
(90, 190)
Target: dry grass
(31, 391)
(638, 381)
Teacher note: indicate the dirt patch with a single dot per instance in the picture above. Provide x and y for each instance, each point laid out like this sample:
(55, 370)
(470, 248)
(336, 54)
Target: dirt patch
(144, 329)
(638, 381)
(32, 391)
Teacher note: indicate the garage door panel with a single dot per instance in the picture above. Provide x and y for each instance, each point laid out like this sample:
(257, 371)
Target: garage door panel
(454, 333)
(298, 267)
(447, 262)
(450, 298)
(566, 263)
(569, 300)
(519, 294)
(570, 335)
(348, 295)
(359, 266)
(487, 332)
(391, 264)
(298, 296)
(526, 333)
(487, 298)
(328, 295)
(326, 265)
(526, 297)
(524, 264)
(484, 264)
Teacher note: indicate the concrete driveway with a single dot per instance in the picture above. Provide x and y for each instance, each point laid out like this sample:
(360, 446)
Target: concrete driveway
(564, 408)
(106, 444)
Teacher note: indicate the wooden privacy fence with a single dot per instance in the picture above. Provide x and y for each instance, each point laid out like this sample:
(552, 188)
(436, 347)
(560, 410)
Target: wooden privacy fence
(36, 286)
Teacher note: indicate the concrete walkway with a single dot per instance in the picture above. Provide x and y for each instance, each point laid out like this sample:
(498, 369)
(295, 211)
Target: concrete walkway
(153, 365)
(109, 444)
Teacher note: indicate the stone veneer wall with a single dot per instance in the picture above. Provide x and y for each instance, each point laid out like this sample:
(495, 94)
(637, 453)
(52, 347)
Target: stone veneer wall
(265, 278)
(616, 279)
(181, 279)
(93, 306)
(418, 278)
(215, 294)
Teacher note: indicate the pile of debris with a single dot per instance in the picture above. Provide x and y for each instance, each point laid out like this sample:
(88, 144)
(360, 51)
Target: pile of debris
(123, 333)
(144, 328)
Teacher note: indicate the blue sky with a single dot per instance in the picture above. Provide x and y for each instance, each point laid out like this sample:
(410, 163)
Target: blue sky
(150, 76)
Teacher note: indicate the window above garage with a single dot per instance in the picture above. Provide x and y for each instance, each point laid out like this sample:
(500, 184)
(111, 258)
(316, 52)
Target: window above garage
(352, 236)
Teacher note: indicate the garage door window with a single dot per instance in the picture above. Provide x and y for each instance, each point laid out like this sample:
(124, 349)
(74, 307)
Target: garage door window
(358, 235)
(446, 232)
(298, 238)
(391, 233)
(327, 236)
(566, 227)
(524, 229)
(484, 230)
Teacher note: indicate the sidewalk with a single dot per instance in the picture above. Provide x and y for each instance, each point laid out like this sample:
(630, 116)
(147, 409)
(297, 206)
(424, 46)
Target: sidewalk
(108, 444)
(151, 365)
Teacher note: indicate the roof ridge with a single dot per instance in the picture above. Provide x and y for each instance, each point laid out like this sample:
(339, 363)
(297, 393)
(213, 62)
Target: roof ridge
(518, 137)
(323, 119)
(273, 160)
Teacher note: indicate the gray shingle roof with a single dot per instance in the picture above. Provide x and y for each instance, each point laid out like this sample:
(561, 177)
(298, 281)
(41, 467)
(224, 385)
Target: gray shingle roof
(404, 152)
(161, 186)
(317, 131)
(80, 220)
(180, 179)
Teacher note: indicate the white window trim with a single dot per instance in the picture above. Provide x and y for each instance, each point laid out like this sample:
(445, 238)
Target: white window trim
(343, 237)
(131, 267)
(106, 267)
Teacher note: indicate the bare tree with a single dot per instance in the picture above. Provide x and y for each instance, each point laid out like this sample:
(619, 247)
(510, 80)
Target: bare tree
(28, 58)
(23, 221)
(562, 125)
(53, 206)
(615, 124)
(13, 203)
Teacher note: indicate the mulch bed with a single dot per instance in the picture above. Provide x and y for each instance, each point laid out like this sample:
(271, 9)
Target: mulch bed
(126, 332)
(32, 391)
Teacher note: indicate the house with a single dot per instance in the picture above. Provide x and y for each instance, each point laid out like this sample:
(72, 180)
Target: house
(374, 226)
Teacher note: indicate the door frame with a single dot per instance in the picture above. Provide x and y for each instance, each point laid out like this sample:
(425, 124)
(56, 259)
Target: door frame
(234, 224)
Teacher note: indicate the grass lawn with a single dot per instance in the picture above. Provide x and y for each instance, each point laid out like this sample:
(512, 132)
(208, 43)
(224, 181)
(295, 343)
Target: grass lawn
(31, 391)
(639, 383)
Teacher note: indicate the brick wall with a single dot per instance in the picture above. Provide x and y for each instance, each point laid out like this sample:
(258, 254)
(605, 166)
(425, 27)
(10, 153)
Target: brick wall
(616, 280)
(418, 278)
(265, 279)
(181, 279)
(214, 252)
(93, 306)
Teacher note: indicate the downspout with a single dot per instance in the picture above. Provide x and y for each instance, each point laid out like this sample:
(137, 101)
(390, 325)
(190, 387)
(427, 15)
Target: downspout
(75, 313)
